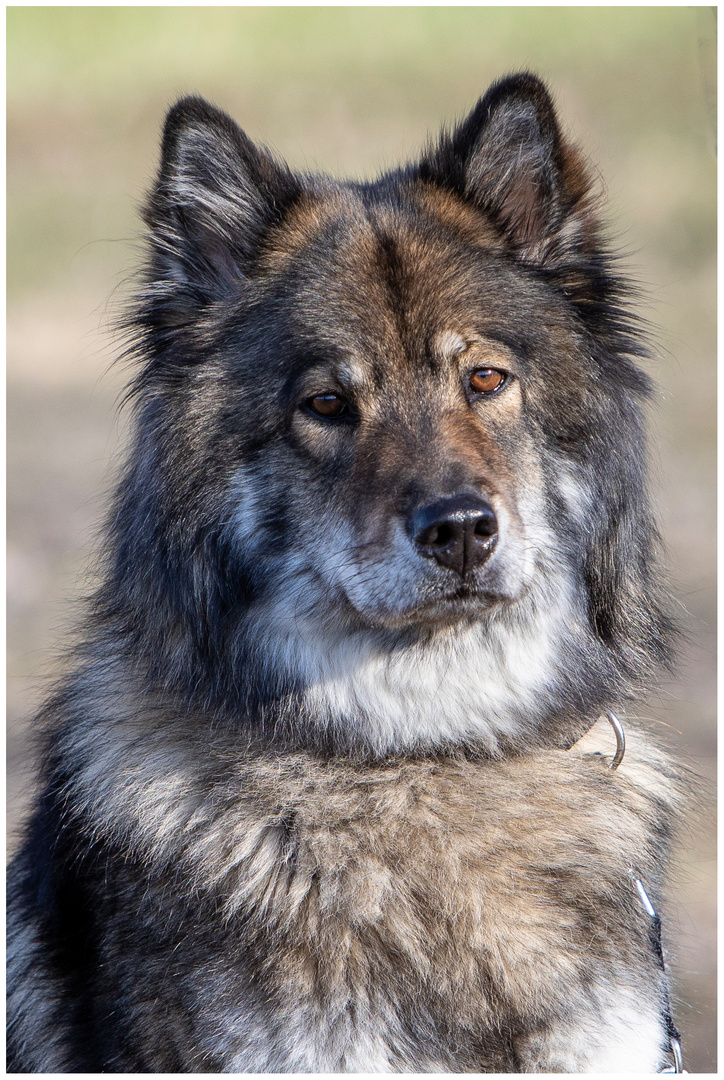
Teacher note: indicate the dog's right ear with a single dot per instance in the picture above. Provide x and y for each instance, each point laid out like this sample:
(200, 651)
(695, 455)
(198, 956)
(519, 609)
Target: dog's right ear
(215, 197)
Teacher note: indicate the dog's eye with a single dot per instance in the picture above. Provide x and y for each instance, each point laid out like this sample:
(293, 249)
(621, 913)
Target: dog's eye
(488, 380)
(328, 406)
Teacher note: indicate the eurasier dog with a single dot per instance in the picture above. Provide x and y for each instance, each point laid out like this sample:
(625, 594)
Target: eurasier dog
(381, 555)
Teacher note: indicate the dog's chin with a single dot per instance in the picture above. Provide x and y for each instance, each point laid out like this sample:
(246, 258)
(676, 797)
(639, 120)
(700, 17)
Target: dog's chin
(463, 606)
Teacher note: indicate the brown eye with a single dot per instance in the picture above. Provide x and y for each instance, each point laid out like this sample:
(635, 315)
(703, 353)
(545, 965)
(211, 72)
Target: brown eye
(328, 406)
(487, 380)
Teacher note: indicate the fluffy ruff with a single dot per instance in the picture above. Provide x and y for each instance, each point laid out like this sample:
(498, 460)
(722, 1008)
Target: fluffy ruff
(433, 914)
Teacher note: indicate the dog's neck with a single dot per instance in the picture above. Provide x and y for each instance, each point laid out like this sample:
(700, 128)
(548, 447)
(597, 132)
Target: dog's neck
(494, 684)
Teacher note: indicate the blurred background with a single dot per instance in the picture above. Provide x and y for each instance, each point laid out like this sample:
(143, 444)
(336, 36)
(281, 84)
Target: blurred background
(350, 91)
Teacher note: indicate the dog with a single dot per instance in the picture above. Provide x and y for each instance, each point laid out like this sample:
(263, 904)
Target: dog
(324, 789)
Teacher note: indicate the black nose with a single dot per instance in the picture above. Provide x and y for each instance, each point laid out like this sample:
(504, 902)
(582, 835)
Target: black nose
(459, 531)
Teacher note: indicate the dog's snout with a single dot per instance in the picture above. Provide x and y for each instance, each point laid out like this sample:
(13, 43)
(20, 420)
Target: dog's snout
(459, 531)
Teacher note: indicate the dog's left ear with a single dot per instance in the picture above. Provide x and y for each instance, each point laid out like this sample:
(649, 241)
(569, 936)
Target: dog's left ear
(509, 158)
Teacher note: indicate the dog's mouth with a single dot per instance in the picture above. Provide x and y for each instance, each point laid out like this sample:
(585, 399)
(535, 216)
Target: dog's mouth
(466, 603)
(465, 598)
(464, 591)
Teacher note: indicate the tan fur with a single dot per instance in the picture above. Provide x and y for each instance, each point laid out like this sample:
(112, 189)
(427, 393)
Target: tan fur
(302, 225)
(495, 894)
(458, 215)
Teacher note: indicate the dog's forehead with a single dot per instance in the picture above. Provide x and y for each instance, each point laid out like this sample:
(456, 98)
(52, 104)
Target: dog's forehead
(342, 230)
(387, 276)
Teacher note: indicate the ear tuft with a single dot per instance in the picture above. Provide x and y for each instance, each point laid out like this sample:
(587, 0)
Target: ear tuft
(509, 158)
(215, 197)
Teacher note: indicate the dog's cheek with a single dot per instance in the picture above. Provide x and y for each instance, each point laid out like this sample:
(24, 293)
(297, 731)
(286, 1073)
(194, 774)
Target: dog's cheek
(573, 493)
(383, 580)
(288, 508)
(526, 538)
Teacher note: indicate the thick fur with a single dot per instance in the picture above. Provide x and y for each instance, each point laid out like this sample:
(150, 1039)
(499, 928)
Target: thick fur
(311, 799)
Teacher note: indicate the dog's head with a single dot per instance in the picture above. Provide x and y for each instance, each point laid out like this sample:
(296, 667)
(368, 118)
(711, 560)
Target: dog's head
(390, 434)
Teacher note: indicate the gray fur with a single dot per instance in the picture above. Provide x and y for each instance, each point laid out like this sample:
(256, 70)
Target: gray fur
(313, 797)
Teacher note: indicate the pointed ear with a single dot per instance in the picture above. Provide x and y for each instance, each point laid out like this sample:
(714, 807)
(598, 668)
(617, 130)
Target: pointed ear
(509, 158)
(215, 197)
